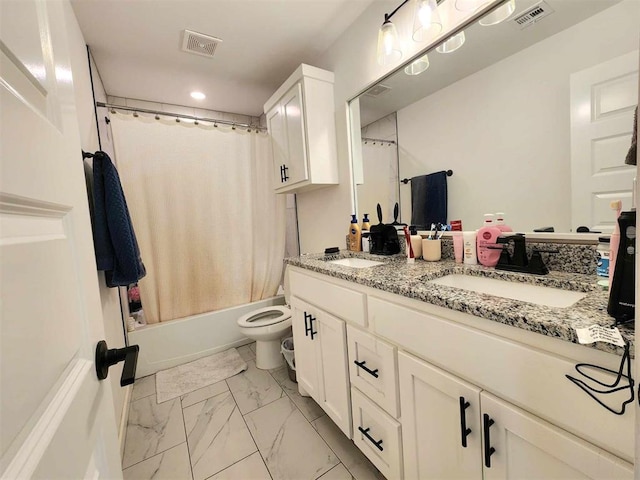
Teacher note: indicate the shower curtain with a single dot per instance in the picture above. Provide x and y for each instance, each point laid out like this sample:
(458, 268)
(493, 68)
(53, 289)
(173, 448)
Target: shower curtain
(210, 228)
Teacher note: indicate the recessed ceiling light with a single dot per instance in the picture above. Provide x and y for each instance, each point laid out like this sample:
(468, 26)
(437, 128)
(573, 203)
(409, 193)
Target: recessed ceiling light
(198, 95)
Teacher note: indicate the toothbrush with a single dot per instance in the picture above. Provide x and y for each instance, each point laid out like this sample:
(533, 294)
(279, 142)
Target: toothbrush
(432, 231)
(442, 230)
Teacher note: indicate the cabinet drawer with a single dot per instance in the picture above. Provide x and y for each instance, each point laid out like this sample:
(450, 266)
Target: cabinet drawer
(339, 301)
(377, 435)
(372, 368)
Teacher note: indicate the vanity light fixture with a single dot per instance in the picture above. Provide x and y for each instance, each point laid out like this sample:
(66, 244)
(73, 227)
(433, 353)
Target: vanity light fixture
(198, 95)
(388, 44)
(452, 43)
(417, 66)
(426, 20)
(499, 15)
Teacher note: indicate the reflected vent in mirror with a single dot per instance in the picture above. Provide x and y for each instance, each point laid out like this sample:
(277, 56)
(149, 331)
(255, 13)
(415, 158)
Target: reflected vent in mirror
(533, 15)
(199, 43)
(377, 90)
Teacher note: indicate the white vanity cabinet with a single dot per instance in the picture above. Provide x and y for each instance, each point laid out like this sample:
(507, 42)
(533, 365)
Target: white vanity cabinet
(321, 360)
(301, 125)
(419, 380)
(453, 429)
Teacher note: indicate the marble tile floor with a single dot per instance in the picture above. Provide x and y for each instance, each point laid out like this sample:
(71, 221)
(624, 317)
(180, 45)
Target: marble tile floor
(252, 426)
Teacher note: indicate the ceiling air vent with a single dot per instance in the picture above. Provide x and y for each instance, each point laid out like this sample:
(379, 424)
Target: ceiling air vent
(533, 15)
(377, 90)
(198, 43)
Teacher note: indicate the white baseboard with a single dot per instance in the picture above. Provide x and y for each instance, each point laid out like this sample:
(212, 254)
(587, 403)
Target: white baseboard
(124, 418)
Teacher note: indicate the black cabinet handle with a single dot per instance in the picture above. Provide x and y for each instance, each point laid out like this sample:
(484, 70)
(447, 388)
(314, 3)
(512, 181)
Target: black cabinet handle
(464, 431)
(488, 449)
(308, 327)
(106, 357)
(286, 173)
(377, 443)
(281, 173)
(361, 364)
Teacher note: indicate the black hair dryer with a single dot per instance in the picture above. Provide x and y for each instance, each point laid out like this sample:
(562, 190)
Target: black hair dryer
(622, 302)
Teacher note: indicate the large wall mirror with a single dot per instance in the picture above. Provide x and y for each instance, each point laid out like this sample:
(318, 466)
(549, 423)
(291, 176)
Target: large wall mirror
(534, 116)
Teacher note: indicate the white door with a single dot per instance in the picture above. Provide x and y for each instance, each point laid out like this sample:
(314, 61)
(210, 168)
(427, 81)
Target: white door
(527, 447)
(278, 140)
(441, 434)
(603, 99)
(332, 356)
(57, 418)
(304, 322)
(297, 148)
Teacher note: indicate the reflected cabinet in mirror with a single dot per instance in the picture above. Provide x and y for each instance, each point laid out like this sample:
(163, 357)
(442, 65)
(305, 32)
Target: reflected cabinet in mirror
(534, 115)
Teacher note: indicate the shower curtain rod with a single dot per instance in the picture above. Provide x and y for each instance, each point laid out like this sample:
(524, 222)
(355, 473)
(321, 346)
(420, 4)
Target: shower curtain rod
(367, 139)
(176, 115)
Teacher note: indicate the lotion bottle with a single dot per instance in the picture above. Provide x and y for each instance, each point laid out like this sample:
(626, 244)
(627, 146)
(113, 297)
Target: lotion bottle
(366, 226)
(355, 235)
(500, 223)
(469, 243)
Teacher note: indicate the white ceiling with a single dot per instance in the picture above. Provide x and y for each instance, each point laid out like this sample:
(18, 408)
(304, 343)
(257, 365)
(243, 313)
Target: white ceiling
(136, 46)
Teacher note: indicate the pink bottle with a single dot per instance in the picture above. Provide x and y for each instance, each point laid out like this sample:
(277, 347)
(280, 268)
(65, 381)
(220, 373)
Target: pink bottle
(487, 237)
(500, 223)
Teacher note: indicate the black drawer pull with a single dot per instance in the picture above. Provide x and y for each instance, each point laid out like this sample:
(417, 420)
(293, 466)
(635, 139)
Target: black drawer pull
(377, 443)
(464, 431)
(308, 327)
(488, 449)
(361, 364)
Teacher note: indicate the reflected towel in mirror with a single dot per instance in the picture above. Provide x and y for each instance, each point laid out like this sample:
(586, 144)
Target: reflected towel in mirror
(429, 199)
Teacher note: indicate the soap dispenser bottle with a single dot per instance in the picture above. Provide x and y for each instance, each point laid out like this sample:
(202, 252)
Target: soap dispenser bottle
(500, 223)
(366, 226)
(355, 235)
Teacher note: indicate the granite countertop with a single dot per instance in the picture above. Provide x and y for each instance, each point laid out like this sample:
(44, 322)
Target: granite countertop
(410, 280)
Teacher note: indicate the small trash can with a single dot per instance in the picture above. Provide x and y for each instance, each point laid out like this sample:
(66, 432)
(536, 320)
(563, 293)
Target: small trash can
(287, 351)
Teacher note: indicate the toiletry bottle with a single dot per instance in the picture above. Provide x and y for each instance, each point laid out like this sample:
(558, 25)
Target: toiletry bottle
(416, 242)
(458, 246)
(489, 220)
(366, 226)
(366, 246)
(602, 256)
(487, 237)
(354, 235)
(500, 223)
(469, 242)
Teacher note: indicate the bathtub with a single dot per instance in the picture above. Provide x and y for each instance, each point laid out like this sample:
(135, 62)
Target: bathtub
(165, 345)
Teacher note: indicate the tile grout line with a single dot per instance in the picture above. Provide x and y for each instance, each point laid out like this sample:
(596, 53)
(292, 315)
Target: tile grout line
(186, 438)
(249, 430)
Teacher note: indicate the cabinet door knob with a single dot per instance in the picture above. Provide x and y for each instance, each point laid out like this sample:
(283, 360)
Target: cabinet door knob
(488, 449)
(377, 443)
(106, 357)
(464, 431)
(362, 364)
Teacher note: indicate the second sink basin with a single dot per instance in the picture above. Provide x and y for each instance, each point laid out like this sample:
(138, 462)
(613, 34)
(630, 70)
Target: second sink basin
(547, 296)
(355, 262)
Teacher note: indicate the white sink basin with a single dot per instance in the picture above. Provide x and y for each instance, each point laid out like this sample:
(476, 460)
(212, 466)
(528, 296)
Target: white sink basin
(355, 262)
(547, 296)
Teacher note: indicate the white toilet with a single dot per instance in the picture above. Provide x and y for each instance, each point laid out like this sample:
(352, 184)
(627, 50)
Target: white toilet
(267, 326)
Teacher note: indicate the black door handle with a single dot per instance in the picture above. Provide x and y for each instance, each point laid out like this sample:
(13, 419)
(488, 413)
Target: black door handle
(488, 449)
(464, 431)
(362, 366)
(377, 443)
(106, 357)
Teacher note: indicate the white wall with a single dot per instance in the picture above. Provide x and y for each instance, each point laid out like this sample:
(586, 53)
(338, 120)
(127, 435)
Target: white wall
(114, 333)
(323, 215)
(505, 131)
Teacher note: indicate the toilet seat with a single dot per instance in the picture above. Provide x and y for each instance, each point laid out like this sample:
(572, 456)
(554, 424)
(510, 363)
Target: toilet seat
(265, 316)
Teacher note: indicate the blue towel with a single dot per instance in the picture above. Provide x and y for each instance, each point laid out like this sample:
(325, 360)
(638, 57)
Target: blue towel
(117, 251)
(429, 199)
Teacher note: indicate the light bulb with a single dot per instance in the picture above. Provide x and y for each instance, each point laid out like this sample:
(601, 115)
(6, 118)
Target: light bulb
(426, 20)
(388, 44)
(198, 95)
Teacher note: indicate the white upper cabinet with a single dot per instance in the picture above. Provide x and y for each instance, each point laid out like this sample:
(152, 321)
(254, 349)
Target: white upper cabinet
(301, 123)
